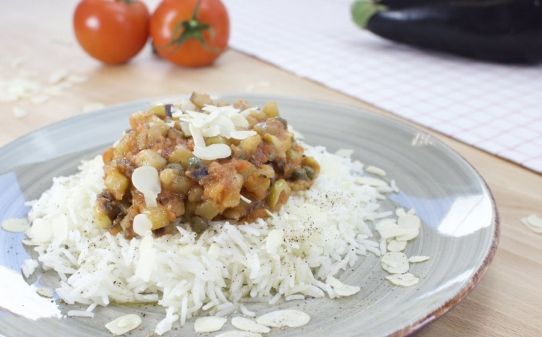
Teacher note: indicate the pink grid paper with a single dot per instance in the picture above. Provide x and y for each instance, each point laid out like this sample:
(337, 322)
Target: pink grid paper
(493, 107)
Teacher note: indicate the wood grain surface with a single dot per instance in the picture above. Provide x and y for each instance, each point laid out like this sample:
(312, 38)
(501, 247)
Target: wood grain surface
(508, 301)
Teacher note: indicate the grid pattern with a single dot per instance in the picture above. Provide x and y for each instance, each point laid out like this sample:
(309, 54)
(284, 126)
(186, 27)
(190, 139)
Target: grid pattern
(493, 107)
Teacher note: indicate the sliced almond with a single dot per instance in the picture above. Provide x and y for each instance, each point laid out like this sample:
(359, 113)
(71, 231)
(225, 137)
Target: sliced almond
(533, 222)
(15, 225)
(284, 318)
(387, 229)
(395, 263)
(142, 225)
(80, 313)
(418, 259)
(146, 181)
(58, 76)
(409, 221)
(246, 324)
(209, 324)
(123, 324)
(396, 246)
(375, 170)
(342, 289)
(212, 152)
(19, 112)
(237, 333)
(197, 137)
(374, 182)
(403, 280)
(240, 135)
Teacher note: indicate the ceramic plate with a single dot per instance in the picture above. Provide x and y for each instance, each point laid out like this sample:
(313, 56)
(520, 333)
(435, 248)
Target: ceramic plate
(460, 228)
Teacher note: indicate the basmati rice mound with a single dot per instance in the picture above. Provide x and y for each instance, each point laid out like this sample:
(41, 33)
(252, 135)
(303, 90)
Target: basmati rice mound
(295, 252)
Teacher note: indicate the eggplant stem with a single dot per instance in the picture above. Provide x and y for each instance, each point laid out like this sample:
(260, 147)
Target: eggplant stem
(363, 11)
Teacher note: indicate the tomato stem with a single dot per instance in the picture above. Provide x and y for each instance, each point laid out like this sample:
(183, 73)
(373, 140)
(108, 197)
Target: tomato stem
(192, 28)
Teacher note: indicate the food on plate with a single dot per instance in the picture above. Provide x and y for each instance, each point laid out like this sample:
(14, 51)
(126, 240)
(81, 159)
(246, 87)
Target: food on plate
(191, 33)
(111, 31)
(199, 162)
(203, 207)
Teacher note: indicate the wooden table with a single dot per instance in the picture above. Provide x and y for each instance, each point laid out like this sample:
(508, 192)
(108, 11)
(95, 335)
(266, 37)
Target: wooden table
(508, 301)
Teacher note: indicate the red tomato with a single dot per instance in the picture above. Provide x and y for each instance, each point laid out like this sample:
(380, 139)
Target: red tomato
(190, 33)
(112, 31)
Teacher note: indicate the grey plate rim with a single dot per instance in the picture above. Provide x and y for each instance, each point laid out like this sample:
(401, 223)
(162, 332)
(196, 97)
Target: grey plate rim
(396, 121)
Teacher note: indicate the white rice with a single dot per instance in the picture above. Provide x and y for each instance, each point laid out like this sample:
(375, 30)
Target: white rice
(291, 255)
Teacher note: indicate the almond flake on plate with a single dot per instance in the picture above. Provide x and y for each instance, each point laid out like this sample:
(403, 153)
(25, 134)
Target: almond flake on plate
(58, 76)
(403, 280)
(123, 324)
(374, 182)
(284, 318)
(341, 289)
(395, 263)
(15, 225)
(375, 170)
(396, 246)
(80, 313)
(209, 324)
(533, 222)
(418, 259)
(249, 325)
(409, 221)
(388, 228)
(237, 333)
(19, 112)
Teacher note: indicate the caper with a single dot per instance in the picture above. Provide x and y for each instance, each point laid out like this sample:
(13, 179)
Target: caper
(310, 172)
(300, 174)
(198, 225)
(194, 163)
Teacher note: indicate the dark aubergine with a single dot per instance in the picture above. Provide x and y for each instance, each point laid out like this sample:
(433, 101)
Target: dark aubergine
(399, 4)
(507, 31)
